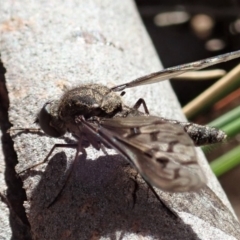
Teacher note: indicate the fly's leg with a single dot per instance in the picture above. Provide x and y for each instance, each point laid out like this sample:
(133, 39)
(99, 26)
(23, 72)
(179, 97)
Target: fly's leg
(71, 145)
(140, 102)
(84, 154)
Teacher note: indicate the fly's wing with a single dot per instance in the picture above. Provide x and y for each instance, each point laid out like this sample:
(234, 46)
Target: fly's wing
(162, 152)
(177, 70)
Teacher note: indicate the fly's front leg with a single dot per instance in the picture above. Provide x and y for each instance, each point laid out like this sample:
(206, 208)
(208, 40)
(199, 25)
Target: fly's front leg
(74, 145)
(140, 102)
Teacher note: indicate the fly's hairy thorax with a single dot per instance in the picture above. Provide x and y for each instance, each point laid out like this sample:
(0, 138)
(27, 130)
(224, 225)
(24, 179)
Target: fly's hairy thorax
(91, 100)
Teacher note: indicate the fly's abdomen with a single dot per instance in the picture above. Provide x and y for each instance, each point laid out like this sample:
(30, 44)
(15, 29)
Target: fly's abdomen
(201, 135)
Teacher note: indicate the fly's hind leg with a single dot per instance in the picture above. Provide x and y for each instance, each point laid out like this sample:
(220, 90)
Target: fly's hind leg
(142, 102)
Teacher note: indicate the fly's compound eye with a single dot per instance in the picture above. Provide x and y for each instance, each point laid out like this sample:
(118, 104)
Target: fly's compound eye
(50, 124)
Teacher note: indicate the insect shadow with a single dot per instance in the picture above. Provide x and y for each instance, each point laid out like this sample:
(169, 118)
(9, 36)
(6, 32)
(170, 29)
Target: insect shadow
(94, 190)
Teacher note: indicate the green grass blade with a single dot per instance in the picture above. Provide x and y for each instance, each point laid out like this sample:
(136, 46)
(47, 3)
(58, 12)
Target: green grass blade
(226, 162)
(226, 118)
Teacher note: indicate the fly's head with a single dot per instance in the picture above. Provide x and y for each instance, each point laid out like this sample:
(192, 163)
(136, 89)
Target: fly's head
(49, 121)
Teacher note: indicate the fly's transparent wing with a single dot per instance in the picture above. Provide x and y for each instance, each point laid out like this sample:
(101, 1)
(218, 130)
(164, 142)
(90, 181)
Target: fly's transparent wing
(161, 152)
(177, 70)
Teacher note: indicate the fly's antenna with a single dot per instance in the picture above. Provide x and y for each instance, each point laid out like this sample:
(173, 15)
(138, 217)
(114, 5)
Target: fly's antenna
(35, 130)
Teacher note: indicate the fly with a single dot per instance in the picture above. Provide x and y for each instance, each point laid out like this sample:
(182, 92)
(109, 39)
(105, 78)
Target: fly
(161, 150)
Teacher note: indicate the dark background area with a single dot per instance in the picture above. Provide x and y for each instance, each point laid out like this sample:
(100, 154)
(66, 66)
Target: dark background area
(182, 42)
(179, 43)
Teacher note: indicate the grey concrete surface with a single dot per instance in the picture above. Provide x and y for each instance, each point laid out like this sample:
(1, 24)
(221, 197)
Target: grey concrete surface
(48, 47)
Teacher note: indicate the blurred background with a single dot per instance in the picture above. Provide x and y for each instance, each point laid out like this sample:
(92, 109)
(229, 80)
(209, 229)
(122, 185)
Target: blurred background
(191, 30)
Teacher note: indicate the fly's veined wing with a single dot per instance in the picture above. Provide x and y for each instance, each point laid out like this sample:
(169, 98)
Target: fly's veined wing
(162, 152)
(177, 70)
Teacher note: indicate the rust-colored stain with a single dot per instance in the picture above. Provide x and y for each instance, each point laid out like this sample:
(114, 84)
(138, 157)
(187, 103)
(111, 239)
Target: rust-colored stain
(18, 93)
(95, 235)
(63, 84)
(65, 234)
(88, 207)
(14, 24)
(135, 227)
